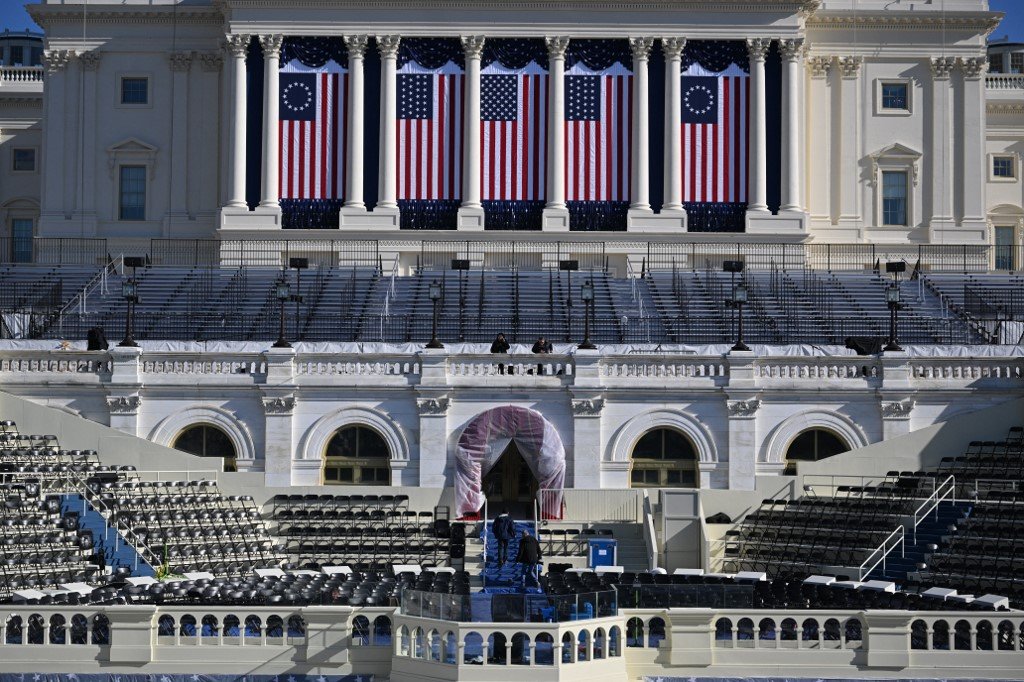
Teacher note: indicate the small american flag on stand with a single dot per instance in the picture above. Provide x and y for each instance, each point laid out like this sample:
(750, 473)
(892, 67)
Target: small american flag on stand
(312, 131)
(598, 122)
(513, 123)
(430, 132)
(714, 120)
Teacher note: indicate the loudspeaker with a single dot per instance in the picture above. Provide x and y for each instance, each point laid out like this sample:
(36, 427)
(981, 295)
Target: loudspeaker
(896, 266)
(732, 266)
(135, 261)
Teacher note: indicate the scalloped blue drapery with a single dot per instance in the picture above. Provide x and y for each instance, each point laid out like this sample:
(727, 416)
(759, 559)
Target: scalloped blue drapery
(314, 51)
(515, 53)
(596, 216)
(310, 214)
(715, 217)
(598, 54)
(716, 55)
(429, 214)
(513, 215)
(431, 53)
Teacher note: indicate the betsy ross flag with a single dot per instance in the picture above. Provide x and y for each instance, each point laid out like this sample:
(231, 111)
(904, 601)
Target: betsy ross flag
(714, 119)
(598, 121)
(430, 132)
(513, 132)
(313, 123)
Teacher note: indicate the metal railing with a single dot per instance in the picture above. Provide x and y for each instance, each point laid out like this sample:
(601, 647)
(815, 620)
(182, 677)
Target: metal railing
(942, 492)
(274, 253)
(511, 255)
(509, 608)
(650, 533)
(895, 539)
(575, 504)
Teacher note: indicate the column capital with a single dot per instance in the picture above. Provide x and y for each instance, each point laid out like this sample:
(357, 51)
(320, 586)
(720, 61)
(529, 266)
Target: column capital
(180, 61)
(271, 44)
(942, 67)
(974, 67)
(791, 49)
(237, 44)
(673, 47)
(356, 45)
(641, 47)
(387, 46)
(850, 66)
(473, 46)
(557, 45)
(819, 66)
(91, 60)
(54, 61)
(757, 48)
(210, 61)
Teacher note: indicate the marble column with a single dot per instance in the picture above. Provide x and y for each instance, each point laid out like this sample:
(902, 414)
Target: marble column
(639, 181)
(55, 63)
(281, 460)
(556, 215)
(433, 438)
(471, 212)
(72, 136)
(387, 201)
(673, 51)
(271, 100)
(757, 200)
(941, 152)
(819, 133)
(180, 63)
(847, 164)
(792, 52)
(237, 46)
(354, 165)
(87, 205)
(975, 173)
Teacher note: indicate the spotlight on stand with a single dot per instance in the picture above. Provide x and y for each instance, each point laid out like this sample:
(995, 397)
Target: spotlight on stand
(130, 294)
(892, 299)
(435, 298)
(587, 294)
(737, 300)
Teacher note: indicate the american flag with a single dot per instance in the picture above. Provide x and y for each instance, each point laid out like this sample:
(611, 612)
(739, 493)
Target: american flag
(598, 121)
(513, 129)
(714, 139)
(430, 132)
(313, 123)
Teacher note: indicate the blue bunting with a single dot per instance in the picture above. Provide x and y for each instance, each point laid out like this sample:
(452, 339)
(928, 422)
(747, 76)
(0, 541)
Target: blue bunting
(715, 217)
(314, 51)
(310, 214)
(513, 215)
(716, 55)
(431, 53)
(597, 216)
(515, 53)
(429, 214)
(599, 54)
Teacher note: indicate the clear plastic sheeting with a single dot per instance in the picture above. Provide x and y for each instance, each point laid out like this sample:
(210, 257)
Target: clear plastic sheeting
(486, 437)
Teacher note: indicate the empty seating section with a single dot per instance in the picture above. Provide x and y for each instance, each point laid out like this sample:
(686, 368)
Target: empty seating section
(568, 540)
(367, 532)
(813, 533)
(981, 296)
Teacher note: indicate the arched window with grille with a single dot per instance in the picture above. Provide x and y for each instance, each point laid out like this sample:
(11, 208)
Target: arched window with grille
(357, 455)
(813, 445)
(664, 458)
(206, 440)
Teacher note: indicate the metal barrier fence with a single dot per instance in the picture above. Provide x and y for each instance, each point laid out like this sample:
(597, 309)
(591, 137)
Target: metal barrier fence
(54, 251)
(510, 608)
(685, 596)
(511, 255)
(273, 253)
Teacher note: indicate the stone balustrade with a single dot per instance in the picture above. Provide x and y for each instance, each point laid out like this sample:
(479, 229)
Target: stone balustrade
(21, 74)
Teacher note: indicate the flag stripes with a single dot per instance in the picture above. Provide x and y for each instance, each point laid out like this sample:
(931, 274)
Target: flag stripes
(312, 135)
(430, 107)
(715, 154)
(599, 120)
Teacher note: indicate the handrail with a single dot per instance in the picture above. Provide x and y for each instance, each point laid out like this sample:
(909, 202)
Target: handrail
(650, 534)
(885, 550)
(943, 490)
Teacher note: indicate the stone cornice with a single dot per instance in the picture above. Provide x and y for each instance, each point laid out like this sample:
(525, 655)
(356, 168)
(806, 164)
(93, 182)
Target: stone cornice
(726, 6)
(984, 22)
(53, 15)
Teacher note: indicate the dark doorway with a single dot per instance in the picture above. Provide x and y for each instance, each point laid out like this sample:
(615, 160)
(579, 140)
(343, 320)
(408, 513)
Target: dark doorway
(510, 485)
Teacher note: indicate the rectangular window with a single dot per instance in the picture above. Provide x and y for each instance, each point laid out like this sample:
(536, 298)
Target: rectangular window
(23, 160)
(1004, 167)
(134, 90)
(17, 55)
(1004, 248)
(37, 56)
(1017, 62)
(21, 240)
(894, 198)
(995, 63)
(894, 97)
(133, 193)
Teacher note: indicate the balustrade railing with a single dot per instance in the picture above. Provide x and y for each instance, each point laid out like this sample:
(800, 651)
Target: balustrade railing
(21, 74)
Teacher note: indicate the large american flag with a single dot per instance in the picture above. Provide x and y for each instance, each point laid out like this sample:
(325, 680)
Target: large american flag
(714, 119)
(598, 121)
(513, 129)
(313, 120)
(430, 132)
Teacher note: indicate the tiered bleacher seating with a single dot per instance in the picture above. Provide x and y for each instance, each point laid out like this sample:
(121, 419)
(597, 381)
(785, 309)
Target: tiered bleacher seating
(364, 531)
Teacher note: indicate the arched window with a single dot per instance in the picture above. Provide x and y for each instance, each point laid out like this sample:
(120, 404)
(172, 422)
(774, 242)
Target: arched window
(664, 458)
(813, 445)
(207, 441)
(357, 455)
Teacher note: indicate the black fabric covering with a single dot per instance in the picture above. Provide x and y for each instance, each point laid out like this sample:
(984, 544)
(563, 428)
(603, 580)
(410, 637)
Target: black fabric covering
(424, 214)
(513, 215)
(716, 55)
(314, 51)
(594, 216)
(715, 217)
(865, 345)
(515, 53)
(598, 54)
(310, 214)
(431, 53)
(96, 339)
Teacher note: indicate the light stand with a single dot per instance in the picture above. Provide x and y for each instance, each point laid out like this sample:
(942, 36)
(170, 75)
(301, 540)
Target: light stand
(435, 298)
(737, 299)
(130, 294)
(892, 299)
(283, 292)
(299, 264)
(587, 294)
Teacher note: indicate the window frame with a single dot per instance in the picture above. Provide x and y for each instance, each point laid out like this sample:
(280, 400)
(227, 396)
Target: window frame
(1020, 66)
(992, 177)
(357, 464)
(35, 160)
(119, 90)
(906, 197)
(880, 109)
(688, 467)
(120, 192)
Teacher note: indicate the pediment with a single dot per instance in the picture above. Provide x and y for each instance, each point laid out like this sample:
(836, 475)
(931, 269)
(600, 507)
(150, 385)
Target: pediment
(897, 151)
(132, 145)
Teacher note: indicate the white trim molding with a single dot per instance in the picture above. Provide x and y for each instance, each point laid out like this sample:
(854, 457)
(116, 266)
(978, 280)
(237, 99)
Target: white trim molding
(170, 427)
(774, 448)
(314, 441)
(626, 437)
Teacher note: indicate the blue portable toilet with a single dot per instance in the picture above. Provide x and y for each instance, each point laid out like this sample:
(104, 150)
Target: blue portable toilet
(603, 552)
